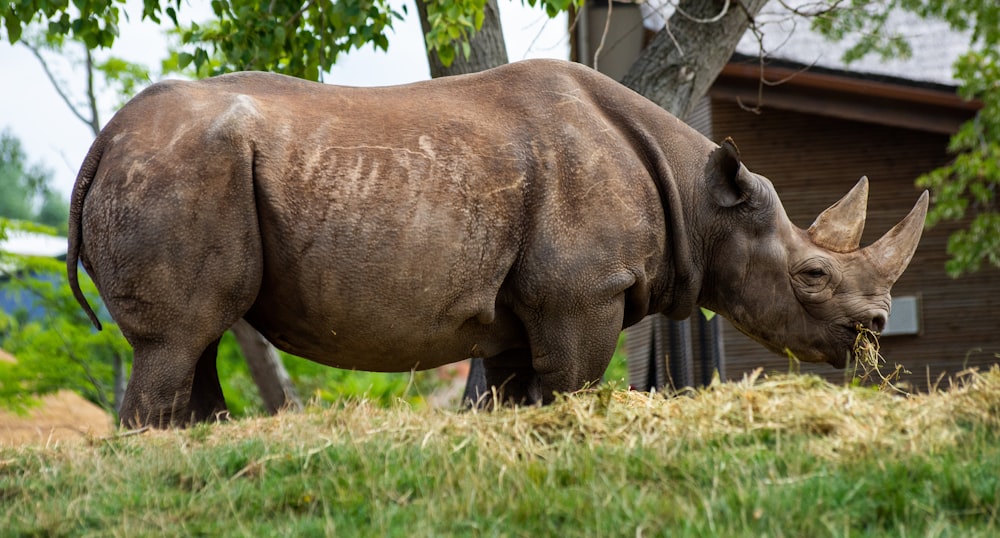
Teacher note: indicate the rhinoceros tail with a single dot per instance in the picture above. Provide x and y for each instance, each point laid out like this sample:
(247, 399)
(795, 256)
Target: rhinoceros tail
(75, 233)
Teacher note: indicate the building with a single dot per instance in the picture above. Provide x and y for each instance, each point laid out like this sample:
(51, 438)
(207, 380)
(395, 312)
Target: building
(815, 135)
(22, 243)
(814, 127)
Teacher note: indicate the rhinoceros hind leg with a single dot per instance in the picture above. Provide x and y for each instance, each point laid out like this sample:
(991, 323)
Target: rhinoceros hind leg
(207, 401)
(172, 386)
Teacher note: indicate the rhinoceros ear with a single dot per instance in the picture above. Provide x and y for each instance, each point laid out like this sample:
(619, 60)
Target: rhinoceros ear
(727, 185)
(893, 252)
(839, 227)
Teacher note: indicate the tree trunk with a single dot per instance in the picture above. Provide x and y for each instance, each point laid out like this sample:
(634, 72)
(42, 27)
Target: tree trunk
(706, 33)
(488, 49)
(276, 388)
(118, 380)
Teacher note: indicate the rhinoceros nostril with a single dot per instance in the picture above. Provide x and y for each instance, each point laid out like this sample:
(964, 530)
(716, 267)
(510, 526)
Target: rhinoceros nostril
(877, 323)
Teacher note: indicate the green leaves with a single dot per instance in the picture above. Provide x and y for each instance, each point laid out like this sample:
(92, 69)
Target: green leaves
(970, 247)
(554, 7)
(969, 184)
(863, 22)
(52, 339)
(125, 78)
(283, 36)
(26, 192)
(94, 22)
(452, 22)
(966, 189)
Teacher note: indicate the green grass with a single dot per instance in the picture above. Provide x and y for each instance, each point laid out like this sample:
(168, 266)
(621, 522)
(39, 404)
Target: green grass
(324, 386)
(785, 456)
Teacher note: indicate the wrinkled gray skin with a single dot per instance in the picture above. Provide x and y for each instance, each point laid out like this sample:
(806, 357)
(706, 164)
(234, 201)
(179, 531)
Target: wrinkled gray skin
(525, 214)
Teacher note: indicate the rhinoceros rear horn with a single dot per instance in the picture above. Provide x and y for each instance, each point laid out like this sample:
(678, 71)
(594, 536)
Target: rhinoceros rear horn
(839, 227)
(893, 252)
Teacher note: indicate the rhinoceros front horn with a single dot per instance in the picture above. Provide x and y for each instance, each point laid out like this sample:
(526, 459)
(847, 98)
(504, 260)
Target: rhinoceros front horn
(839, 228)
(892, 253)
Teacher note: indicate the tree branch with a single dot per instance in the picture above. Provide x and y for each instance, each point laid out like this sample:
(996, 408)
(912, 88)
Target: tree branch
(709, 20)
(95, 122)
(55, 83)
(673, 78)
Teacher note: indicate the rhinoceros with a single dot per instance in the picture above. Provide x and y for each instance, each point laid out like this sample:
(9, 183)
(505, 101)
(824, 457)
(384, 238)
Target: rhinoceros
(524, 214)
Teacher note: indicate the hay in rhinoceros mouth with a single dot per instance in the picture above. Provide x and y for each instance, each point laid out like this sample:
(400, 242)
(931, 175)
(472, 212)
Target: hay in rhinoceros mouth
(867, 357)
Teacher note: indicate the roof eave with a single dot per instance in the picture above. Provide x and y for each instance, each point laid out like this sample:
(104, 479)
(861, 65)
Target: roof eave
(843, 96)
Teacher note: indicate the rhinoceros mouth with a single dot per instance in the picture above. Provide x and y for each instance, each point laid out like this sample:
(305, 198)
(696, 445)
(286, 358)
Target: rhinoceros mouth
(839, 361)
(832, 346)
(833, 349)
(844, 340)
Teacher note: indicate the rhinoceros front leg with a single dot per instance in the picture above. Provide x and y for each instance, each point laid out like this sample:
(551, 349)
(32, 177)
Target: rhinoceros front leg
(571, 346)
(510, 379)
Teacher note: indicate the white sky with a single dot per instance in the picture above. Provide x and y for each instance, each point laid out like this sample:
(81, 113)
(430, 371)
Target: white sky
(52, 136)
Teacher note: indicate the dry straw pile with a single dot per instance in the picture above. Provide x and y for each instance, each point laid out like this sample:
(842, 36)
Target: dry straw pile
(838, 421)
(868, 358)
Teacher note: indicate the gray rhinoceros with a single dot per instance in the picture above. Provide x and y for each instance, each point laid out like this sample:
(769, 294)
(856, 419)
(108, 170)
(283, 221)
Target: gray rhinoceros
(524, 214)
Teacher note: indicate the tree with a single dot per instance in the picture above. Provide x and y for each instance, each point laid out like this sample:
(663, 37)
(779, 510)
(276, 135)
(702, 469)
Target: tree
(968, 185)
(971, 181)
(43, 329)
(485, 48)
(684, 58)
(110, 74)
(26, 191)
(298, 38)
(54, 343)
(55, 347)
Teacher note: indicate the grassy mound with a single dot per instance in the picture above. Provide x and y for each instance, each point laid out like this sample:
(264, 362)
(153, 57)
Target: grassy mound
(777, 456)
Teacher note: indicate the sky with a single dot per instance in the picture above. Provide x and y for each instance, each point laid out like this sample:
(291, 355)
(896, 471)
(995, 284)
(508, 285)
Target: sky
(31, 109)
(53, 137)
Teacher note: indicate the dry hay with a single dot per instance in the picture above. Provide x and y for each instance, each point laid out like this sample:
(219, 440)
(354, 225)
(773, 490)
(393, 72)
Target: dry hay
(834, 421)
(867, 356)
(838, 421)
(61, 417)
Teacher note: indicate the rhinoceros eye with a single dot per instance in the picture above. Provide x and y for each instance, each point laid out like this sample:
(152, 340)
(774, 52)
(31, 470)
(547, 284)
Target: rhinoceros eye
(813, 280)
(815, 273)
(812, 274)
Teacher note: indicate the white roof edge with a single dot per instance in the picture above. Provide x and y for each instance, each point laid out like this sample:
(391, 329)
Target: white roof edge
(934, 44)
(33, 244)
